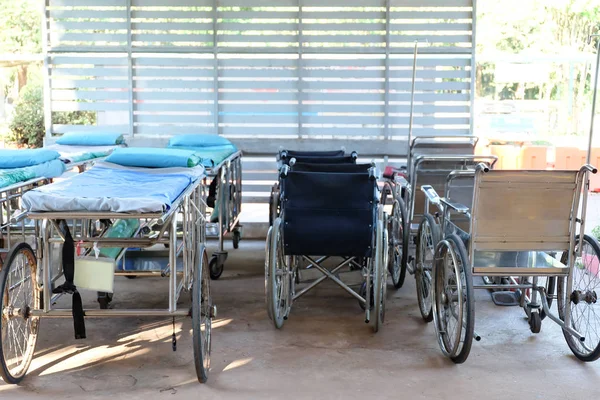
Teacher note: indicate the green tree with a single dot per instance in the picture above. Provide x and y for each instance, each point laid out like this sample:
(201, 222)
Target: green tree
(21, 31)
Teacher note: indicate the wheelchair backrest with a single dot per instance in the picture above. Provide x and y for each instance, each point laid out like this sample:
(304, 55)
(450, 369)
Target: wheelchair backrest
(328, 213)
(332, 168)
(434, 171)
(440, 145)
(524, 210)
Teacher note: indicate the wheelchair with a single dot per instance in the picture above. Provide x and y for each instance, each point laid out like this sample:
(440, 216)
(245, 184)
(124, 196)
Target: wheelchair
(430, 160)
(526, 227)
(327, 210)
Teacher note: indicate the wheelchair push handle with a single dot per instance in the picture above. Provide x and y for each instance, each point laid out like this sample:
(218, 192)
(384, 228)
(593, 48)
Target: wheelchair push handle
(589, 168)
(283, 172)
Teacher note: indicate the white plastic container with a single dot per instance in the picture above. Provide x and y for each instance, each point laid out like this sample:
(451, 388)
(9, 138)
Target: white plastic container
(96, 274)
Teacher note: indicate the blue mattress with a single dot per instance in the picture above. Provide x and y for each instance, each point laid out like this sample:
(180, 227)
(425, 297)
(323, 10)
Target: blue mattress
(211, 155)
(48, 169)
(112, 188)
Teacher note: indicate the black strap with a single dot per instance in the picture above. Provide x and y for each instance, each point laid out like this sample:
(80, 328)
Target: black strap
(212, 192)
(68, 258)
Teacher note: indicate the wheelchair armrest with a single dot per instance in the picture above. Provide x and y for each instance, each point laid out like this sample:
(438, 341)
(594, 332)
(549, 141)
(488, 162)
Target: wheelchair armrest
(431, 194)
(460, 208)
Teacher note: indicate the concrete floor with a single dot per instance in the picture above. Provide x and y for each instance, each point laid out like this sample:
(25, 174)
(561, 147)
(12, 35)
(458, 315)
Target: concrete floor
(324, 351)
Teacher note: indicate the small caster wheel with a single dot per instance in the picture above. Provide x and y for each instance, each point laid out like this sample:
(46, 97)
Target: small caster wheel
(104, 300)
(237, 236)
(363, 293)
(215, 268)
(130, 276)
(535, 322)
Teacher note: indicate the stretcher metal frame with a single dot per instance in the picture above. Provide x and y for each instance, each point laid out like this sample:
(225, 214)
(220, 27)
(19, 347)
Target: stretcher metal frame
(182, 228)
(12, 194)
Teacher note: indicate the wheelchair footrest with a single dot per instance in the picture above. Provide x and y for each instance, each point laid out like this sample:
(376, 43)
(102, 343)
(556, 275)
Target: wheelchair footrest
(506, 298)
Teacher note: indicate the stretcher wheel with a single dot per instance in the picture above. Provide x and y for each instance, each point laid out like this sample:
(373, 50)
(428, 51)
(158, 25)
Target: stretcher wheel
(279, 277)
(237, 236)
(202, 314)
(104, 299)
(380, 274)
(18, 296)
(398, 245)
(453, 301)
(582, 299)
(427, 238)
(216, 268)
(535, 322)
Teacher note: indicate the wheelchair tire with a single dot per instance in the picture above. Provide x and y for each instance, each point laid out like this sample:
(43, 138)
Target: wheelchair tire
(279, 278)
(380, 275)
(267, 264)
(20, 257)
(583, 296)
(202, 314)
(451, 262)
(398, 247)
(428, 236)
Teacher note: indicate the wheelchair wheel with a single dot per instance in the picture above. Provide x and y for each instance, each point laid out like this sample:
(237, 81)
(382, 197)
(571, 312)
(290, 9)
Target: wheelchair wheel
(427, 238)
(202, 314)
(279, 277)
(453, 302)
(379, 262)
(18, 329)
(398, 243)
(267, 264)
(582, 300)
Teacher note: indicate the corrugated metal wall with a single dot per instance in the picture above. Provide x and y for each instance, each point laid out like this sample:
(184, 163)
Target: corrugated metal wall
(265, 73)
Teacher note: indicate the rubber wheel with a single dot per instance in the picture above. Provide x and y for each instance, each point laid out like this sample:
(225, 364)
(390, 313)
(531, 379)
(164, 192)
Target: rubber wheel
(363, 292)
(398, 246)
(535, 322)
(216, 268)
(105, 300)
(450, 264)
(380, 275)
(586, 281)
(278, 279)
(267, 264)
(20, 268)
(550, 290)
(428, 237)
(130, 276)
(236, 239)
(202, 314)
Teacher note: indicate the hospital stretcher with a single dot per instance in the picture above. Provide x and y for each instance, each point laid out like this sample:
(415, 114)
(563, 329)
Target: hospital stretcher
(163, 205)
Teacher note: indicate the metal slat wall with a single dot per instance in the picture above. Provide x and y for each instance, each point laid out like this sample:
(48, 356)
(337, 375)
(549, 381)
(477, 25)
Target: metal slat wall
(265, 73)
